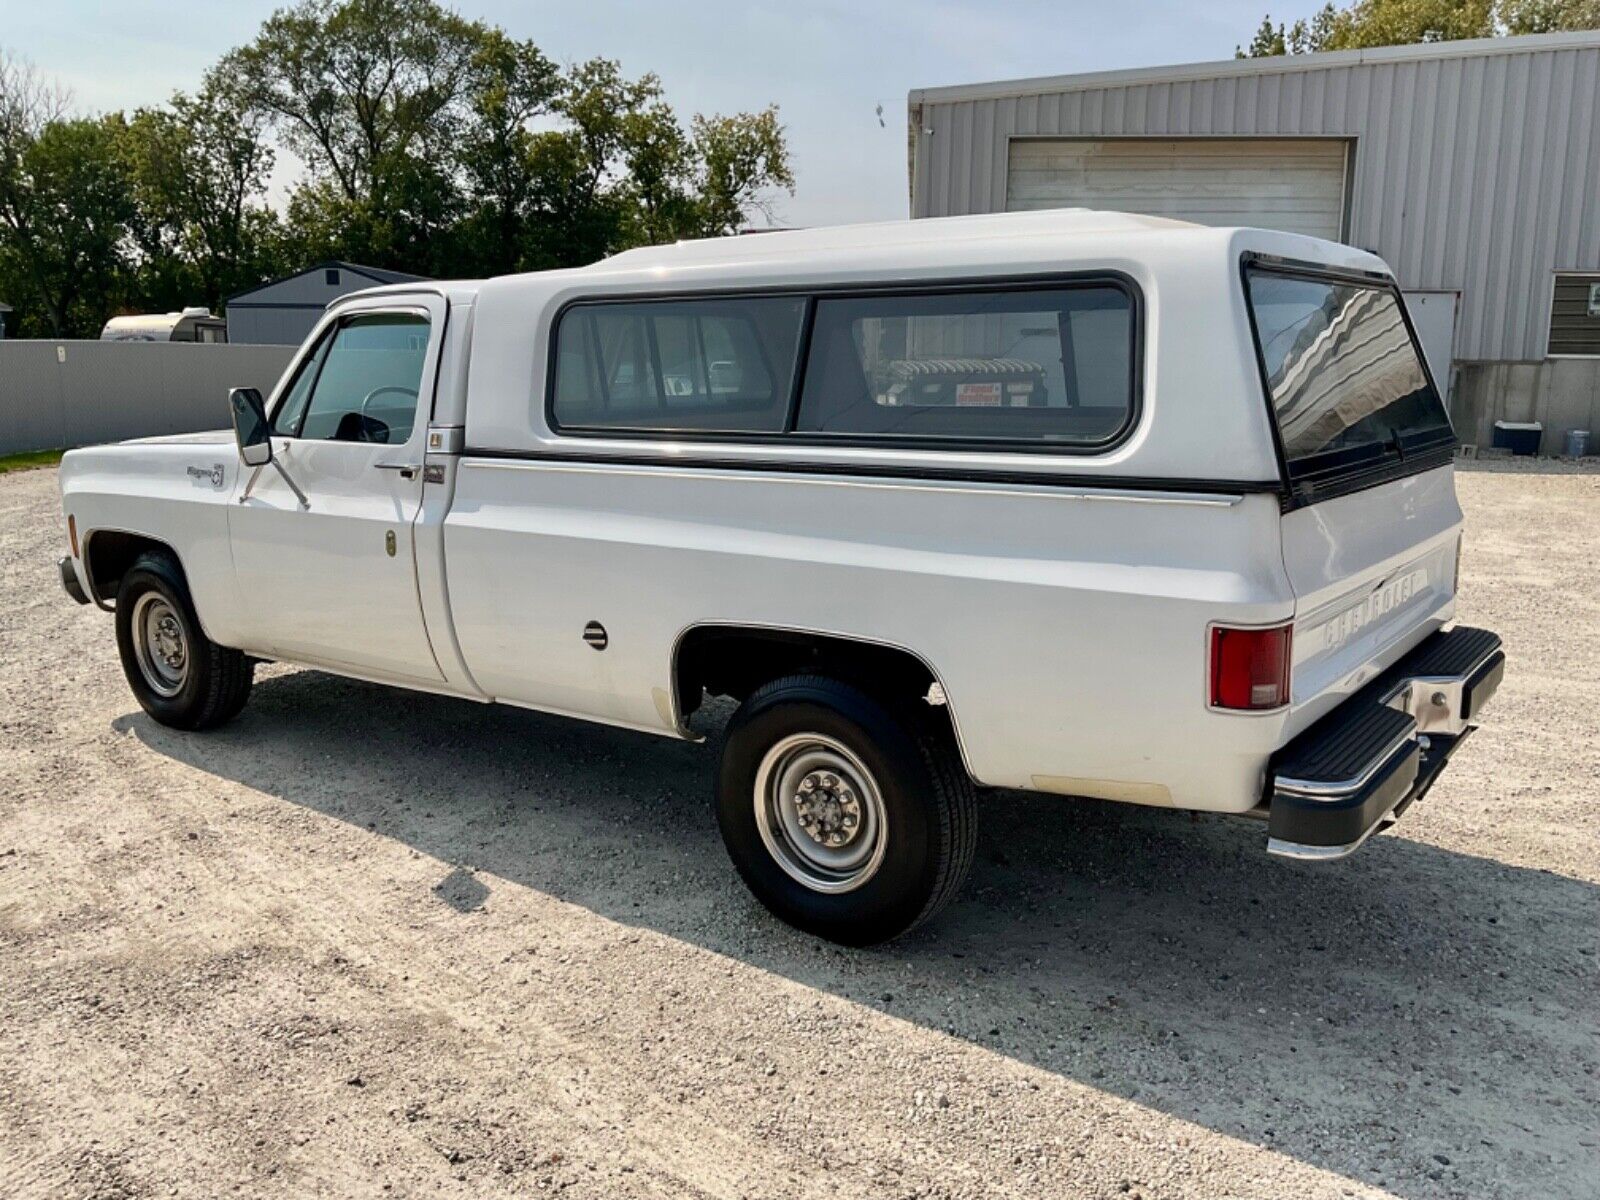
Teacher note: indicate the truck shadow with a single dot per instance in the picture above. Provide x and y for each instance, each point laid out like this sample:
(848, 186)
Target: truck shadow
(1414, 1019)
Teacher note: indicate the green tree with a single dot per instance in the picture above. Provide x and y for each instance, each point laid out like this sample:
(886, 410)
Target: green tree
(372, 95)
(621, 158)
(28, 103)
(742, 158)
(512, 84)
(1368, 23)
(1270, 41)
(200, 169)
(1548, 16)
(65, 214)
(624, 171)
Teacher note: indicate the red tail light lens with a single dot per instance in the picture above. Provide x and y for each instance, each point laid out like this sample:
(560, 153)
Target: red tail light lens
(1249, 668)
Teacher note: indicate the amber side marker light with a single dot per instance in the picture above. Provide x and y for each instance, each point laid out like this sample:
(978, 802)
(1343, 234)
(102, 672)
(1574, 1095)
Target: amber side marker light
(72, 534)
(1249, 668)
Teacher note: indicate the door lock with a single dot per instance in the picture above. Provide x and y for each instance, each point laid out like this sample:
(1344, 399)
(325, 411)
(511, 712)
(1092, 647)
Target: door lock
(388, 542)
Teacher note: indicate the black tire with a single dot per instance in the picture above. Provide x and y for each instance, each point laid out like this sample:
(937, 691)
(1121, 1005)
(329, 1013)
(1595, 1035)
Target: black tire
(212, 683)
(928, 807)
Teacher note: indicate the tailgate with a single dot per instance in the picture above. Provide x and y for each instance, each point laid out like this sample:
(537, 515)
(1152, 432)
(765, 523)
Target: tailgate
(1373, 574)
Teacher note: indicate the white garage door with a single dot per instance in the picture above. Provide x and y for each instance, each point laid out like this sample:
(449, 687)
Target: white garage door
(1291, 184)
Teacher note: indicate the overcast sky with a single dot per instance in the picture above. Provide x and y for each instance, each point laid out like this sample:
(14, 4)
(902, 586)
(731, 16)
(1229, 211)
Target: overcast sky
(828, 64)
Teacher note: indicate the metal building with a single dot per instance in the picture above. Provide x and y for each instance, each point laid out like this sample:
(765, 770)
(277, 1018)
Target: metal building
(1472, 167)
(282, 311)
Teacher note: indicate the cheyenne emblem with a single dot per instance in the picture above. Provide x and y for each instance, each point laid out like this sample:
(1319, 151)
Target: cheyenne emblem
(214, 473)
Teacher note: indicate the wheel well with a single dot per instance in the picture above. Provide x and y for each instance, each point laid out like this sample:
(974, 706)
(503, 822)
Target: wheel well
(732, 660)
(108, 553)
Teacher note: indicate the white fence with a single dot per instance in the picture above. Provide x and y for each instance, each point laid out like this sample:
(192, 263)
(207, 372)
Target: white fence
(56, 395)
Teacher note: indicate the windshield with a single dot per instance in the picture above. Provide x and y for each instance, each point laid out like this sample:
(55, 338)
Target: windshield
(1345, 376)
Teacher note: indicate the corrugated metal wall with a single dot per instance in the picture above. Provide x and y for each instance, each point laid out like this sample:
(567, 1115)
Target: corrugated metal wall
(63, 394)
(1477, 166)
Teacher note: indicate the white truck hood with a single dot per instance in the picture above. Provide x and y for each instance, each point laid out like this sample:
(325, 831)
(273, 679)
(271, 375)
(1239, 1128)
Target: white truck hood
(208, 437)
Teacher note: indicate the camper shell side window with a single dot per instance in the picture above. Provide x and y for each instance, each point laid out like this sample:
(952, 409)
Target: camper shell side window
(1048, 365)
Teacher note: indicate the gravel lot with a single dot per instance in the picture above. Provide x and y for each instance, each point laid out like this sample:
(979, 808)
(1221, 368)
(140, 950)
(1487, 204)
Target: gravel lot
(362, 941)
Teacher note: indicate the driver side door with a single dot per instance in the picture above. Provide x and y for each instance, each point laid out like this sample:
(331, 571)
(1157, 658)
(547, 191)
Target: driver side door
(332, 580)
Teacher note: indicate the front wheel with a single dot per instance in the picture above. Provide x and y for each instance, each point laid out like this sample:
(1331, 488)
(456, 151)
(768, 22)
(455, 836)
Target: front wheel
(179, 676)
(847, 818)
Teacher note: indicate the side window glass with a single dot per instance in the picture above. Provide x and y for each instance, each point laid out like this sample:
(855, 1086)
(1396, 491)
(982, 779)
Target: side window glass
(366, 389)
(1050, 365)
(291, 409)
(715, 364)
(625, 359)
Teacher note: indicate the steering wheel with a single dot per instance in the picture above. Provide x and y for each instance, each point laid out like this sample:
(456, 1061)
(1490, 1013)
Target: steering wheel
(370, 425)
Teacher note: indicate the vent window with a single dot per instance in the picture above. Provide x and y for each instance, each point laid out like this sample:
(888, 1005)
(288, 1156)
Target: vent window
(1575, 315)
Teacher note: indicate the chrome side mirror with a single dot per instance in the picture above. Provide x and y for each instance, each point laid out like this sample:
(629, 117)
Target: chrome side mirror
(250, 428)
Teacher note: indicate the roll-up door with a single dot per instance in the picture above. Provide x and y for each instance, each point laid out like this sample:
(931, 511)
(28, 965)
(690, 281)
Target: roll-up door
(1293, 184)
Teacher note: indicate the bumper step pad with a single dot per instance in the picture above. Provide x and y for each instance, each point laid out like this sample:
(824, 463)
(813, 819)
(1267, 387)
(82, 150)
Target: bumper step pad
(1358, 768)
(1353, 738)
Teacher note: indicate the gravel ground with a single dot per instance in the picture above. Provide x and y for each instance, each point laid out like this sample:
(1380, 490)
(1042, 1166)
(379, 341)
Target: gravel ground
(360, 942)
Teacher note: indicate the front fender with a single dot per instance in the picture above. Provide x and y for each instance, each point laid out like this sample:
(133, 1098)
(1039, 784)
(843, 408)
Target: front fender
(174, 493)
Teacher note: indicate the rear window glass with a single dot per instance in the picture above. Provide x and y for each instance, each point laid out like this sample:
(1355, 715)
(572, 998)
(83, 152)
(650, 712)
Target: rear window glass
(1345, 376)
(1049, 365)
(716, 365)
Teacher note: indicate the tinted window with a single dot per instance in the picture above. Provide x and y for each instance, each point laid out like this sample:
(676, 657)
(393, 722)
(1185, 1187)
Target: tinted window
(718, 365)
(1345, 376)
(362, 383)
(1049, 365)
(292, 408)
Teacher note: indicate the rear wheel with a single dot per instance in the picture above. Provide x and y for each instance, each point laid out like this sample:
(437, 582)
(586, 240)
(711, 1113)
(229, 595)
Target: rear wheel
(179, 676)
(847, 817)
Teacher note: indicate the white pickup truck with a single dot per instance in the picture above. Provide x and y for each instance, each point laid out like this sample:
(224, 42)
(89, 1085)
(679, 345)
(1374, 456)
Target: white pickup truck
(1078, 502)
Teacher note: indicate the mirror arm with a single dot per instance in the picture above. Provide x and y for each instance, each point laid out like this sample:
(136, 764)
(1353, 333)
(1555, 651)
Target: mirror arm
(293, 486)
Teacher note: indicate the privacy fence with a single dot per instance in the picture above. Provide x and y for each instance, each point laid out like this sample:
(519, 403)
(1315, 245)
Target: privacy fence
(56, 395)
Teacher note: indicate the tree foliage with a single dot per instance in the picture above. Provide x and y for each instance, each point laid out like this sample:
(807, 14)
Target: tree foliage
(65, 210)
(199, 169)
(431, 143)
(1548, 16)
(1367, 23)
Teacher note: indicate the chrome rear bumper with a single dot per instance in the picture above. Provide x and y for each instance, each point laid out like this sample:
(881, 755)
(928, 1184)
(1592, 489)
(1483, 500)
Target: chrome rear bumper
(1356, 770)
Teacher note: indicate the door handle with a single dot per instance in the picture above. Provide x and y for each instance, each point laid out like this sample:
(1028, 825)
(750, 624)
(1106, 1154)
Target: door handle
(407, 470)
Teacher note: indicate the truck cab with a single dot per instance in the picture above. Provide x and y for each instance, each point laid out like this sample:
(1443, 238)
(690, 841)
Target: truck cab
(1073, 502)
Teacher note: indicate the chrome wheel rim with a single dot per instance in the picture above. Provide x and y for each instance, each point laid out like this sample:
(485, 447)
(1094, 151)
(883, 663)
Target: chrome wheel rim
(820, 813)
(159, 644)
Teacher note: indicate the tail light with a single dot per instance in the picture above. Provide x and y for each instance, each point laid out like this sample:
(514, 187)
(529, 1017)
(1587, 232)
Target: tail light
(1249, 668)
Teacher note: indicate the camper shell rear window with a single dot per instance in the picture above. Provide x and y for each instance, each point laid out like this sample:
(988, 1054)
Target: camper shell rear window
(1351, 398)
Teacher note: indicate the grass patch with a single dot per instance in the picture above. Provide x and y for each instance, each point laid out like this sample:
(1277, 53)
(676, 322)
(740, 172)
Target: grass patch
(29, 460)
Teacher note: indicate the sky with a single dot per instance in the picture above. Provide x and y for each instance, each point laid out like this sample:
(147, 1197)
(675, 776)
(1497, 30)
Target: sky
(827, 64)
